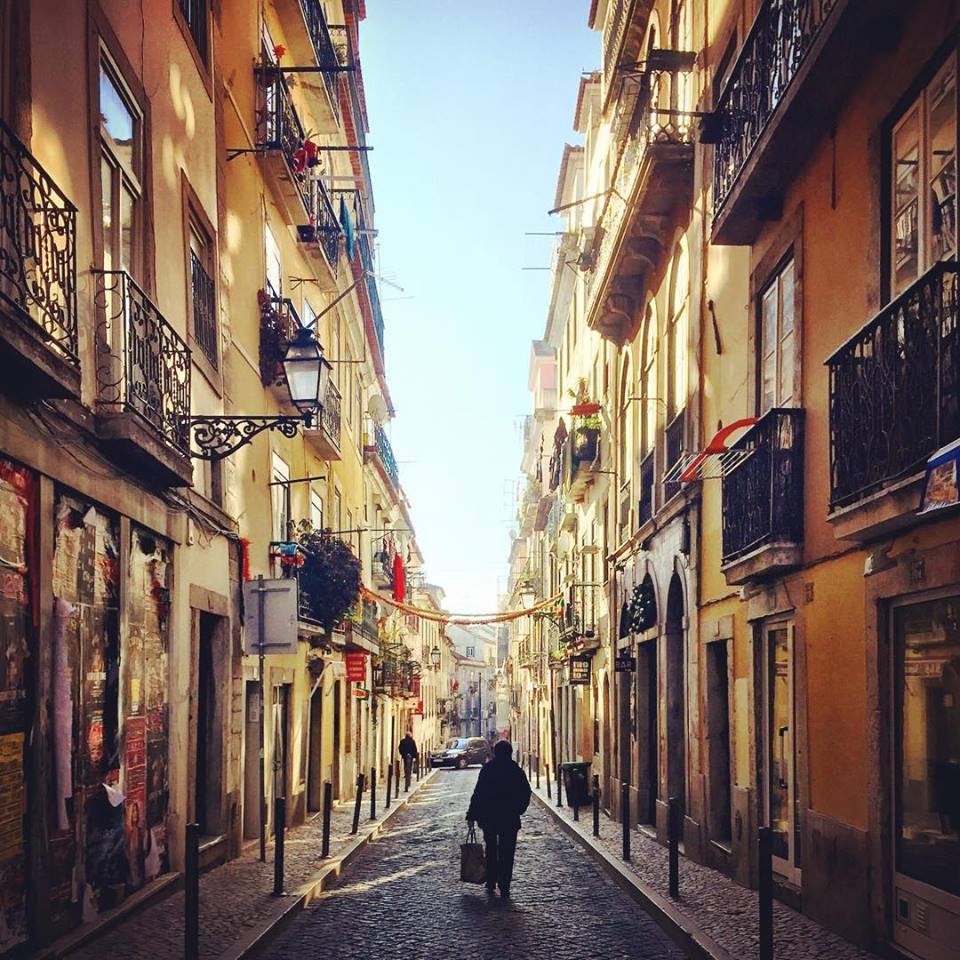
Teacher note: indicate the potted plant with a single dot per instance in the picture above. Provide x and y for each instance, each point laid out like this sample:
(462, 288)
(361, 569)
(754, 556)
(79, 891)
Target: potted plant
(329, 577)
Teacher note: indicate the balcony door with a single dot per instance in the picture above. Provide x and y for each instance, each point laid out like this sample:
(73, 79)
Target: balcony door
(779, 742)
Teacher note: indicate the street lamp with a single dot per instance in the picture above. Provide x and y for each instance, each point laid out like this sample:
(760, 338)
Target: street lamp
(528, 596)
(307, 373)
(435, 658)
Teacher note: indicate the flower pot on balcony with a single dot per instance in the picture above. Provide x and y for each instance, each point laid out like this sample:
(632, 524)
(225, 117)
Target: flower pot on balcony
(585, 409)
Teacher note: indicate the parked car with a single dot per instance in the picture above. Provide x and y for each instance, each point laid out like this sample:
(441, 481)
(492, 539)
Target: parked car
(461, 752)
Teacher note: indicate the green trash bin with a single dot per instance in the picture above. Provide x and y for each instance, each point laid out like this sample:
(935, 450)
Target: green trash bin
(576, 783)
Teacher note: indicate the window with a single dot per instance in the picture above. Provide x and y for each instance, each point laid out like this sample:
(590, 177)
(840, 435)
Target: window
(316, 509)
(337, 510)
(470, 652)
(776, 341)
(194, 13)
(279, 498)
(648, 381)
(201, 262)
(924, 188)
(348, 531)
(348, 385)
(274, 269)
(625, 424)
(677, 332)
(121, 168)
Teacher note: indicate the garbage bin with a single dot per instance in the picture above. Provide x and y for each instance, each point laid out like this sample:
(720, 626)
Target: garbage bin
(576, 783)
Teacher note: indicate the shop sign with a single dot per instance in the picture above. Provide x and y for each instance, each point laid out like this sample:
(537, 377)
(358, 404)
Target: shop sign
(356, 666)
(941, 488)
(419, 710)
(360, 692)
(625, 664)
(580, 671)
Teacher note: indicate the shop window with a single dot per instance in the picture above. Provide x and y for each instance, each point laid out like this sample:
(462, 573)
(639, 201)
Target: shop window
(927, 705)
(923, 228)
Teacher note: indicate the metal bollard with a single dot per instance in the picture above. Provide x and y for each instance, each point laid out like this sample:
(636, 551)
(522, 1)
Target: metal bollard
(356, 804)
(396, 778)
(576, 808)
(327, 810)
(546, 770)
(596, 805)
(538, 771)
(529, 766)
(559, 786)
(625, 817)
(191, 899)
(765, 885)
(673, 844)
(279, 831)
(373, 793)
(390, 784)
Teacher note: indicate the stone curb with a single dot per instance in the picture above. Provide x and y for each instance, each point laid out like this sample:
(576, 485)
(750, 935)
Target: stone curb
(681, 928)
(251, 943)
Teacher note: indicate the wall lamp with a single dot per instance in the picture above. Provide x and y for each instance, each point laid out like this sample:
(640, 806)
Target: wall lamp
(307, 373)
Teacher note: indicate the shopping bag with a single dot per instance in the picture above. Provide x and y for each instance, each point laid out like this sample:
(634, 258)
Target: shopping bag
(473, 861)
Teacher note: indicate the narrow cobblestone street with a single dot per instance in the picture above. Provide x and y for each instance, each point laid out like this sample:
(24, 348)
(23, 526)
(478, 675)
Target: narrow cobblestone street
(403, 897)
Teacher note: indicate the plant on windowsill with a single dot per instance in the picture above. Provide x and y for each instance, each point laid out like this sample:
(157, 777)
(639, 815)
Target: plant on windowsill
(329, 577)
(273, 339)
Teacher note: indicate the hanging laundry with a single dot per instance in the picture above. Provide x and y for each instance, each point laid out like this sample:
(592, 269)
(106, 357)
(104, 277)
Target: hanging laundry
(399, 583)
(347, 225)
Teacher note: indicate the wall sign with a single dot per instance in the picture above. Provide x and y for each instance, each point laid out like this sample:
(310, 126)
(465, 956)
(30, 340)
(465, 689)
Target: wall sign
(356, 666)
(580, 670)
(625, 664)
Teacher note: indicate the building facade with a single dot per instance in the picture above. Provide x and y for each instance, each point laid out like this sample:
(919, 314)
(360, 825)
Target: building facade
(761, 220)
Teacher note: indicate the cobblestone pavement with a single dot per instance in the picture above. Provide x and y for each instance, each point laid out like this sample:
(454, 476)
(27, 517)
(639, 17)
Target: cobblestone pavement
(233, 898)
(723, 909)
(402, 897)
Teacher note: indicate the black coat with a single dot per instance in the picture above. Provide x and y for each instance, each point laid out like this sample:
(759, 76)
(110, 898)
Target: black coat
(502, 793)
(408, 747)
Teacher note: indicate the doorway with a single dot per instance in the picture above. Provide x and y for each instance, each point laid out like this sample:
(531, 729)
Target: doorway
(718, 740)
(606, 733)
(208, 772)
(676, 696)
(315, 751)
(779, 740)
(335, 764)
(251, 762)
(648, 753)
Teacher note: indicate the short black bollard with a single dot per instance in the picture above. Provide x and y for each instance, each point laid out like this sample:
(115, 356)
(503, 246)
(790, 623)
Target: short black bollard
(373, 793)
(546, 770)
(576, 808)
(625, 817)
(765, 885)
(279, 831)
(191, 888)
(538, 771)
(559, 786)
(356, 805)
(390, 785)
(396, 777)
(673, 844)
(596, 805)
(327, 810)
(529, 766)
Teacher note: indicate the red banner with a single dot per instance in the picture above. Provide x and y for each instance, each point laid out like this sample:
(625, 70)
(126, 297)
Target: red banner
(356, 666)
(415, 686)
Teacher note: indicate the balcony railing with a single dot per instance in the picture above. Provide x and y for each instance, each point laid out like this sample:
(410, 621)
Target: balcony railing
(369, 627)
(323, 46)
(278, 128)
(279, 323)
(645, 503)
(330, 415)
(38, 247)
(584, 450)
(204, 310)
(385, 453)
(143, 364)
(674, 451)
(763, 494)
(895, 389)
(775, 49)
(366, 259)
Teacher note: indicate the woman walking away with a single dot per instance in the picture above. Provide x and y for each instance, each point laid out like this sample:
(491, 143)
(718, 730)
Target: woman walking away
(501, 795)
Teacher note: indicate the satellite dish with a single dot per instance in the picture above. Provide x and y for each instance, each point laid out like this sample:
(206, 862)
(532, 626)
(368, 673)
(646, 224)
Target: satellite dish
(377, 408)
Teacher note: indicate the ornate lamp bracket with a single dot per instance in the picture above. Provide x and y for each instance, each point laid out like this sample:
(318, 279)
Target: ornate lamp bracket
(214, 438)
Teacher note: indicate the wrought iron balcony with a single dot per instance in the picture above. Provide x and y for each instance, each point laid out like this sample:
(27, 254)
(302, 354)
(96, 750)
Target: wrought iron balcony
(326, 434)
(382, 553)
(895, 389)
(38, 275)
(794, 68)
(279, 323)
(324, 50)
(370, 284)
(623, 32)
(652, 180)
(763, 498)
(383, 452)
(143, 380)
(583, 446)
(282, 145)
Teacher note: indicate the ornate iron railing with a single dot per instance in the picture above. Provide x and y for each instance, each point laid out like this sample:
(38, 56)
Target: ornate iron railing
(614, 31)
(366, 258)
(763, 494)
(143, 364)
(779, 40)
(278, 125)
(895, 389)
(674, 451)
(324, 48)
(330, 415)
(382, 553)
(369, 628)
(326, 225)
(204, 310)
(644, 127)
(385, 452)
(38, 246)
(279, 324)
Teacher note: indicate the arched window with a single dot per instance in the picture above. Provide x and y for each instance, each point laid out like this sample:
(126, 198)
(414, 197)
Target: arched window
(677, 321)
(648, 381)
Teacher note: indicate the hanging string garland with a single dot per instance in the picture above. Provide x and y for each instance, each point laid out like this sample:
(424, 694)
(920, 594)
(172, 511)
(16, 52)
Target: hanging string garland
(467, 620)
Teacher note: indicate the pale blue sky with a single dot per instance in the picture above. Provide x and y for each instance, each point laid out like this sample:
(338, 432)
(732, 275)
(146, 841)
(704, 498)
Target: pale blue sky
(470, 103)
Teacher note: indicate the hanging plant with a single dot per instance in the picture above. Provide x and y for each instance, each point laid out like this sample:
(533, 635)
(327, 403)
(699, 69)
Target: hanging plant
(329, 577)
